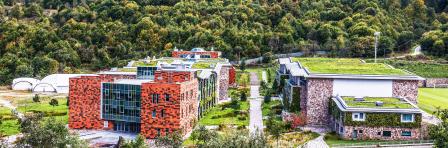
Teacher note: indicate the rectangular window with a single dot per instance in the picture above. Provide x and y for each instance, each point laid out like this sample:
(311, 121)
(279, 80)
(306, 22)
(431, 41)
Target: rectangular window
(407, 117)
(155, 98)
(167, 97)
(154, 114)
(106, 124)
(406, 133)
(158, 132)
(387, 133)
(358, 117)
(341, 130)
(162, 113)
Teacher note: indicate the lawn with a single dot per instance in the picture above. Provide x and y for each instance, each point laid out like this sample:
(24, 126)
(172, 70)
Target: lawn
(431, 98)
(44, 106)
(370, 102)
(227, 114)
(346, 66)
(424, 69)
(144, 63)
(9, 127)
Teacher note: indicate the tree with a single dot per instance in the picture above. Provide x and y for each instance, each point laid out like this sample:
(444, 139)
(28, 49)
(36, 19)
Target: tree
(243, 65)
(172, 140)
(275, 128)
(49, 133)
(139, 142)
(440, 132)
(243, 96)
(36, 98)
(54, 102)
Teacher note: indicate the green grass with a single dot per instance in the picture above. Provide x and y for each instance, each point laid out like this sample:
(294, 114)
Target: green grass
(144, 63)
(346, 66)
(424, 69)
(369, 102)
(127, 69)
(44, 106)
(431, 98)
(217, 116)
(9, 127)
(267, 107)
(203, 65)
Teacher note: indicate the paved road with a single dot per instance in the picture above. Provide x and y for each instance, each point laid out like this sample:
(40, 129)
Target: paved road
(256, 120)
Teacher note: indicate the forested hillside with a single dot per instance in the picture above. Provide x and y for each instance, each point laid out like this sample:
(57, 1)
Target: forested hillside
(97, 34)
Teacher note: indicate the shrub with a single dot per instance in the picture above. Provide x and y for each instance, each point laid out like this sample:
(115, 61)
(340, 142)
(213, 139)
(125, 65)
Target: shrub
(267, 98)
(54, 102)
(239, 117)
(36, 98)
(243, 96)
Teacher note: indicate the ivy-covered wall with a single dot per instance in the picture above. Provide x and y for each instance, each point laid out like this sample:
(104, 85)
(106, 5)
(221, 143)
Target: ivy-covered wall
(295, 103)
(382, 119)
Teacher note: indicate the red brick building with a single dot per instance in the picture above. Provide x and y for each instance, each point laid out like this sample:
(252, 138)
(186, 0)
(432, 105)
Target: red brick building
(154, 101)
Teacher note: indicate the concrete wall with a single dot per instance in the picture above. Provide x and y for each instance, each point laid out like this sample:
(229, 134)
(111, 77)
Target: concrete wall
(374, 88)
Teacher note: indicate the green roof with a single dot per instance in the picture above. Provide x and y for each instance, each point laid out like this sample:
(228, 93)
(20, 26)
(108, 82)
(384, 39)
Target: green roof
(203, 65)
(370, 102)
(127, 69)
(144, 63)
(346, 66)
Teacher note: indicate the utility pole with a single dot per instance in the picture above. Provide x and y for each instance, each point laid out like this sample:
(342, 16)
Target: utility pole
(377, 35)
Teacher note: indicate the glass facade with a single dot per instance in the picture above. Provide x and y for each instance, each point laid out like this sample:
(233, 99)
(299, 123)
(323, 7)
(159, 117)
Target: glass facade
(146, 72)
(121, 102)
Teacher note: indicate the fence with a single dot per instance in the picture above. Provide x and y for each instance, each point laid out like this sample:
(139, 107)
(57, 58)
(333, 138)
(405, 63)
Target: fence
(385, 144)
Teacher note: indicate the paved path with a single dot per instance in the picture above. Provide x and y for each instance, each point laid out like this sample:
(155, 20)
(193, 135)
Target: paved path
(428, 118)
(256, 119)
(317, 143)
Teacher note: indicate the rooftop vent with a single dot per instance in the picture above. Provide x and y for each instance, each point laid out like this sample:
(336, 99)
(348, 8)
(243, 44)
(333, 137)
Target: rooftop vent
(379, 103)
(359, 99)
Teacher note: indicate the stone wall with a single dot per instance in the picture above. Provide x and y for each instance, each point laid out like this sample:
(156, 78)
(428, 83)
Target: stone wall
(319, 92)
(376, 133)
(223, 80)
(85, 102)
(405, 88)
(430, 82)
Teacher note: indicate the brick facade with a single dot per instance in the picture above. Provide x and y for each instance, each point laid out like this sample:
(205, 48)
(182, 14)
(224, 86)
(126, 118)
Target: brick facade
(213, 54)
(85, 102)
(405, 88)
(318, 94)
(376, 133)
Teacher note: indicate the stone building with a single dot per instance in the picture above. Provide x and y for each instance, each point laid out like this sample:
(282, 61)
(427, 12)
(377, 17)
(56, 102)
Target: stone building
(151, 97)
(384, 118)
(313, 82)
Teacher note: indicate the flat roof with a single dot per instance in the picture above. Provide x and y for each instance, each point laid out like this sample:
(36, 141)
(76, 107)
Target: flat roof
(368, 104)
(131, 81)
(347, 66)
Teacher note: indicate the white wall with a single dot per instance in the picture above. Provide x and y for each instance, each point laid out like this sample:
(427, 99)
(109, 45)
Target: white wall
(372, 88)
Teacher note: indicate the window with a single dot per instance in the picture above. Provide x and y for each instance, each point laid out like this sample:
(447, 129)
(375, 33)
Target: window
(167, 97)
(162, 113)
(158, 132)
(153, 113)
(360, 131)
(155, 98)
(387, 133)
(406, 133)
(407, 117)
(379, 133)
(341, 130)
(358, 117)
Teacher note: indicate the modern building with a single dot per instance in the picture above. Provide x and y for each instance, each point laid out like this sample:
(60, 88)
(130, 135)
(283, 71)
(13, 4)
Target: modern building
(384, 118)
(152, 97)
(313, 82)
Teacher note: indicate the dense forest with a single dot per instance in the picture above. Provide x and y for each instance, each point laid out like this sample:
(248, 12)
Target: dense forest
(39, 37)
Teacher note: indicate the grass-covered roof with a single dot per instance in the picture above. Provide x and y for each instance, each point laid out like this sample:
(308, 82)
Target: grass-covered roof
(346, 66)
(370, 102)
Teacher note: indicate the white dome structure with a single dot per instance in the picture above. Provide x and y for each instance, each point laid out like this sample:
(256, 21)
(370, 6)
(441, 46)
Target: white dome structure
(24, 83)
(58, 83)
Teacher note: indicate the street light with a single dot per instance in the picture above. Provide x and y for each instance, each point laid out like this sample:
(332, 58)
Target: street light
(377, 35)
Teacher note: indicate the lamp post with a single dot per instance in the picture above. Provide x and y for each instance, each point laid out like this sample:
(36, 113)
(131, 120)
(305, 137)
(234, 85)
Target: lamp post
(377, 35)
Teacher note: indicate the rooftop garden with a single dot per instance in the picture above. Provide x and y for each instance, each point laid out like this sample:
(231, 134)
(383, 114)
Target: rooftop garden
(203, 65)
(127, 69)
(346, 66)
(423, 69)
(370, 102)
(144, 63)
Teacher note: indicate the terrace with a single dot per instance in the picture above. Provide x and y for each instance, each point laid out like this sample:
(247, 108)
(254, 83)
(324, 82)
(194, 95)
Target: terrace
(371, 102)
(347, 66)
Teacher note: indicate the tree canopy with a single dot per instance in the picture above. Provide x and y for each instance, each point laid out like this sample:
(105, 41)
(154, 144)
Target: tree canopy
(50, 36)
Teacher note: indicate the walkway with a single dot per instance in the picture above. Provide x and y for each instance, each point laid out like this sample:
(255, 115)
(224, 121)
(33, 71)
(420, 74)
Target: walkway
(319, 141)
(256, 121)
(7, 104)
